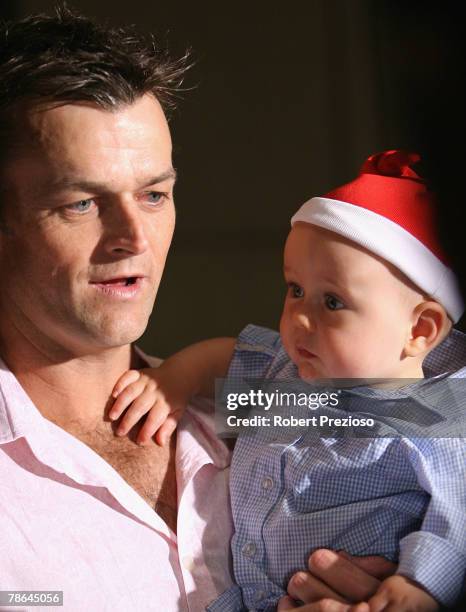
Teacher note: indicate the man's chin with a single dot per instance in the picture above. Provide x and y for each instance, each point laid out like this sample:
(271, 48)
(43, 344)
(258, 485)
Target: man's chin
(119, 334)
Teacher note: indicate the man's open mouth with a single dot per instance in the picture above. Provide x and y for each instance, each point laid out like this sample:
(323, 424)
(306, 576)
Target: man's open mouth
(125, 281)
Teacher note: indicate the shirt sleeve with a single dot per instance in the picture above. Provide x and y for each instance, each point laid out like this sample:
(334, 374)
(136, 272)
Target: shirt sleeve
(257, 351)
(435, 556)
(230, 601)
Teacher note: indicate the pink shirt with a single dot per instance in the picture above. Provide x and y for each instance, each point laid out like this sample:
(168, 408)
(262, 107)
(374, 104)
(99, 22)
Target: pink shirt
(69, 522)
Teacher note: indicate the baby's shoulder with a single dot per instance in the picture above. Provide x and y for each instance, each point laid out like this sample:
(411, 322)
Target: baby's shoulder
(259, 353)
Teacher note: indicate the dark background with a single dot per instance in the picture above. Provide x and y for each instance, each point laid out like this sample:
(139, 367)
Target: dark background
(287, 100)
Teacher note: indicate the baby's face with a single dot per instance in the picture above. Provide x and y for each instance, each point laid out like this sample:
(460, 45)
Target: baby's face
(347, 313)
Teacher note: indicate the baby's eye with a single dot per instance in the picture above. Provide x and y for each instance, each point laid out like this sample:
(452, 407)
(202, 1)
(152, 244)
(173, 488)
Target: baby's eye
(333, 303)
(295, 290)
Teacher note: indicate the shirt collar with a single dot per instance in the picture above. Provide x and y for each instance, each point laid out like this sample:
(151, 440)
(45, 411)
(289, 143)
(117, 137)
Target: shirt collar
(448, 357)
(18, 415)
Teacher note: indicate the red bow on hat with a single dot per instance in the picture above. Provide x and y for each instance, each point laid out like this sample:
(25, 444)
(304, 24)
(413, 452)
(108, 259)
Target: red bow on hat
(392, 163)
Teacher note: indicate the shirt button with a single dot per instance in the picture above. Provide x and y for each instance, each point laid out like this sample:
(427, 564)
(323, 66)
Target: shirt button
(249, 549)
(267, 483)
(188, 563)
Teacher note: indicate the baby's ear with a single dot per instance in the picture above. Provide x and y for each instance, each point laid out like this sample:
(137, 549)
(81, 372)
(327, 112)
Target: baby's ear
(430, 325)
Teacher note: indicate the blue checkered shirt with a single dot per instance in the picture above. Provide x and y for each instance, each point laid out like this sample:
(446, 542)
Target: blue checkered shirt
(403, 498)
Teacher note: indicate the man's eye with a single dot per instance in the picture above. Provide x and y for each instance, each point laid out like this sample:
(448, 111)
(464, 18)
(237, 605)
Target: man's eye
(82, 206)
(295, 290)
(333, 303)
(154, 197)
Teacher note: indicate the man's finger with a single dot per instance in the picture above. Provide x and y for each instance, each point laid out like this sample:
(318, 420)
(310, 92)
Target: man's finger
(379, 567)
(330, 605)
(286, 603)
(305, 587)
(379, 602)
(342, 576)
(360, 607)
(325, 605)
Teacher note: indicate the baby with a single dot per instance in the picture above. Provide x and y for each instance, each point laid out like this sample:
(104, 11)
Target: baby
(369, 296)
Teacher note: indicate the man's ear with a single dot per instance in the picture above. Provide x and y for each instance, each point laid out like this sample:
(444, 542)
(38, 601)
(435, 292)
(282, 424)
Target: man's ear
(430, 325)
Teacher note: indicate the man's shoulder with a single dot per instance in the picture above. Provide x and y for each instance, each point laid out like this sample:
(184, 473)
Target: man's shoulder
(152, 362)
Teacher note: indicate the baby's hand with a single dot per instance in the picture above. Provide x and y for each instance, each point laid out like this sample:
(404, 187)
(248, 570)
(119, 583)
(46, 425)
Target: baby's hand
(400, 594)
(147, 391)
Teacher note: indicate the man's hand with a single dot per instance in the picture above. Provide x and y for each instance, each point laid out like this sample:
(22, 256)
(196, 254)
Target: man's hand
(335, 581)
(324, 605)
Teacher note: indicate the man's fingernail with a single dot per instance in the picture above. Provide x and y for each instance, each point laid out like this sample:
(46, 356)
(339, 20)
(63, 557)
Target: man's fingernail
(344, 554)
(299, 579)
(323, 558)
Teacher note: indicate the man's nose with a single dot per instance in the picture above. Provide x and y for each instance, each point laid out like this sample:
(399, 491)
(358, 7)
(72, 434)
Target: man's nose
(125, 229)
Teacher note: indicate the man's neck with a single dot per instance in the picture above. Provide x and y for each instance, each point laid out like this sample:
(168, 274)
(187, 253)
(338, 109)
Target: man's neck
(72, 389)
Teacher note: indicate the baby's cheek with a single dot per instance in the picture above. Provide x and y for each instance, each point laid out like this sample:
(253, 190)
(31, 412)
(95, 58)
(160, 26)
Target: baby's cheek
(350, 358)
(307, 371)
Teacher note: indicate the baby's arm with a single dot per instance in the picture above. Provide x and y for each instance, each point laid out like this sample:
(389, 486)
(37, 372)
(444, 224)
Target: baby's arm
(165, 391)
(400, 594)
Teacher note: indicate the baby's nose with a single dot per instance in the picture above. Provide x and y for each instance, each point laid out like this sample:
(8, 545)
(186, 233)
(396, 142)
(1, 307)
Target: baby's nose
(304, 321)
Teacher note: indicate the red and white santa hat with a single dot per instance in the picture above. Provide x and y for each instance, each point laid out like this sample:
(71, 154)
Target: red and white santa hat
(388, 210)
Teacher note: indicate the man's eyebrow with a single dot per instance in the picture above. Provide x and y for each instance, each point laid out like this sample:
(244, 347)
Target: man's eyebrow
(94, 186)
(168, 174)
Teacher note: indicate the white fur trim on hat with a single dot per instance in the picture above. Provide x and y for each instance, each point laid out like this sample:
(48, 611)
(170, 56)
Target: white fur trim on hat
(391, 242)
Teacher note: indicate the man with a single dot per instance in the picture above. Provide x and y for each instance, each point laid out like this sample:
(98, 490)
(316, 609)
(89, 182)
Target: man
(87, 216)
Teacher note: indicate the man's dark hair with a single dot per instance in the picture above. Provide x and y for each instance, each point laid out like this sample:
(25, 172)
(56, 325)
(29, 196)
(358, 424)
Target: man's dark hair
(65, 58)
(69, 58)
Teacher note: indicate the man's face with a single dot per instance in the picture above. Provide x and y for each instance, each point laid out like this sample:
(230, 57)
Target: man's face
(89, 218)
(347, 313)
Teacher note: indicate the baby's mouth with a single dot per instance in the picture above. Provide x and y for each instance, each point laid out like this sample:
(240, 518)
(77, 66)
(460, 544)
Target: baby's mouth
(302, 352)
